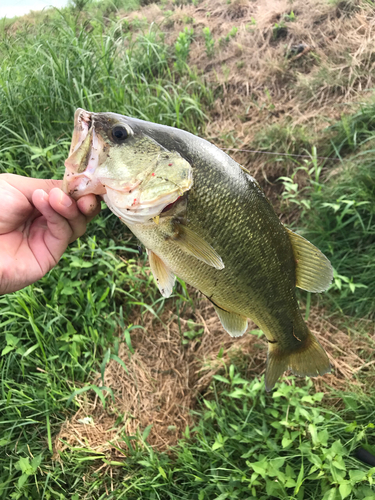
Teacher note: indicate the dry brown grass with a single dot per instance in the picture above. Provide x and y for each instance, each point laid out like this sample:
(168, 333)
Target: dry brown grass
(165, 378)
(261, 81)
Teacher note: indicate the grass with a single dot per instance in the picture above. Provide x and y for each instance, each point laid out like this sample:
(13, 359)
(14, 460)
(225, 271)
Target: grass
(56, 334)
(338, 209)
(342, 223)
(43, 81)
(247, 445)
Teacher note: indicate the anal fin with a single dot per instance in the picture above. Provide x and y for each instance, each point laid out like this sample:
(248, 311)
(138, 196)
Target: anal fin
(163, 275)
(233, 323)
(314, 272)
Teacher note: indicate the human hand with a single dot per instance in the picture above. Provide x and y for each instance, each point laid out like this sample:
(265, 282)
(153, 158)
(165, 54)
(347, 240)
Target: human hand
(37, 222)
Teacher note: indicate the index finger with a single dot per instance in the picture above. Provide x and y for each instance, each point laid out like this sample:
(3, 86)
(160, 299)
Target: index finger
(27, 185)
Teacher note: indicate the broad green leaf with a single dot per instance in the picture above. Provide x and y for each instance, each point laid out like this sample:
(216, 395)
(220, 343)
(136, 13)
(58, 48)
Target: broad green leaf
(314, 434)
(330, 494)
(7, 349)
(356, 476)
(22, 480)
(25, 466)
(216, 446)
(36, 461)
(345, 489)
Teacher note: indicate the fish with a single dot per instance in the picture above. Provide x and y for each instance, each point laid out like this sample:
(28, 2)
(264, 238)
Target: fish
(203, 218)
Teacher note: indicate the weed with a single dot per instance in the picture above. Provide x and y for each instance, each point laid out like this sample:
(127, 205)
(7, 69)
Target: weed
(279, 30)
(342, 223)
(209, 42)
(192, 333)
(290, 17)
(80, 5)
(327, 222)
(250, 26)
(251, 445)
(231, 34)
(182, 48)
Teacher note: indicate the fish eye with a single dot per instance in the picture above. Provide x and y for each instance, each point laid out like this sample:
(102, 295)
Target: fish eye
(119, 134)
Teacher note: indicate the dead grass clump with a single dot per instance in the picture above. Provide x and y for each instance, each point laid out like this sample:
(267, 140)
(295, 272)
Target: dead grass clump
(166, 378)
(163, 382)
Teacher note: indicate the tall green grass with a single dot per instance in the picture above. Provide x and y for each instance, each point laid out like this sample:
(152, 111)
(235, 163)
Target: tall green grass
(341, 214)
(342, 223)
(335, 197)
(51, 69)
(55, 333)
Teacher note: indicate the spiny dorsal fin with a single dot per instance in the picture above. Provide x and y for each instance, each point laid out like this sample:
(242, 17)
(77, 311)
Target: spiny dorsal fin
(163, 275)
(194, 245)
(314, 272)
(233, 323)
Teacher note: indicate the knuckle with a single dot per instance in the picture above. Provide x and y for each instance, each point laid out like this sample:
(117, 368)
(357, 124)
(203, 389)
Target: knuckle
(52, 183)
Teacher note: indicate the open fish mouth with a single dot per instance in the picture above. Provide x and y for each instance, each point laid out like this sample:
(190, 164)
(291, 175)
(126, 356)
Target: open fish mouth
(134, 197)
(80, 167)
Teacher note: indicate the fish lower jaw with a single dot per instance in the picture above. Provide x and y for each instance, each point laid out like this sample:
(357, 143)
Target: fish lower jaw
(78, 185)
(135, 215)
(132, 209)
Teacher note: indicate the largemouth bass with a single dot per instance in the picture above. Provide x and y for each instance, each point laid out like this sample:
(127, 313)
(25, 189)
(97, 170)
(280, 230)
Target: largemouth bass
(203, 218)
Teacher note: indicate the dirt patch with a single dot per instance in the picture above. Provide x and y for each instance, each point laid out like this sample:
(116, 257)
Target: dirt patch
(166, 378)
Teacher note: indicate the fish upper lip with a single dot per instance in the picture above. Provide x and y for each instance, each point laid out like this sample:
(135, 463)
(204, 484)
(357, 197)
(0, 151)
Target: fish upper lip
(85, 116)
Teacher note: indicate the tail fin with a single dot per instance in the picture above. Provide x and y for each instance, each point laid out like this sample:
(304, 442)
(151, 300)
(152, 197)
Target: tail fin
(309, 359)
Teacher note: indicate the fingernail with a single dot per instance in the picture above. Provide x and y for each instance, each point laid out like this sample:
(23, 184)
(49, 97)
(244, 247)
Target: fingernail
(44, 195)
(65, 200)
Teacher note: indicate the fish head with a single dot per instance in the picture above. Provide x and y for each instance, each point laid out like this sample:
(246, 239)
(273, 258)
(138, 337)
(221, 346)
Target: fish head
(113, 156)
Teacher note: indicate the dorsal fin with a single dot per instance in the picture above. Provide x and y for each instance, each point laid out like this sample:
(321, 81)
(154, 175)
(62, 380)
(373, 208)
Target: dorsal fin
(314, 272)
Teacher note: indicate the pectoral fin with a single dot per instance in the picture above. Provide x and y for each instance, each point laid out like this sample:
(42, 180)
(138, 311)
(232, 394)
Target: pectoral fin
(233, 323)
(194, 245)
(163, 275)
(314, 272)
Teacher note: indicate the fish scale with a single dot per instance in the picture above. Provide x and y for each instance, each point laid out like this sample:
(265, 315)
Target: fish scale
(214, 228)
